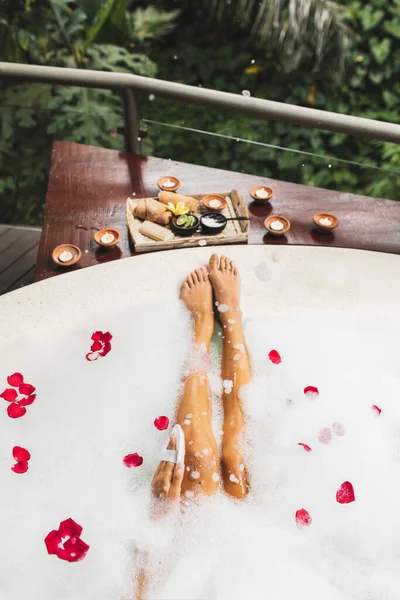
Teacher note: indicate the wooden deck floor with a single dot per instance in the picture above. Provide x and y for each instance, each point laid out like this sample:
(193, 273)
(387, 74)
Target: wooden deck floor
(18, 252)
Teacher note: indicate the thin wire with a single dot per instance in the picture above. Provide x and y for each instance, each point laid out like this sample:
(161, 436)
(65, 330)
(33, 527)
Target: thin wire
(304, 152)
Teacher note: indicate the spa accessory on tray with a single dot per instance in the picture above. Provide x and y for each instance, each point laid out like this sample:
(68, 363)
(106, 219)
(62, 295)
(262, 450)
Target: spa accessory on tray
(235, 232)
(178, 455)
(185, 225)
(215, 222)
(149, 209)
(167, 197)
(155, 232)
(214, 202)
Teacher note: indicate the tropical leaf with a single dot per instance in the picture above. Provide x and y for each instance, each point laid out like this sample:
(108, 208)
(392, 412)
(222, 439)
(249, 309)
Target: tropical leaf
(100, 19)
(114, 58)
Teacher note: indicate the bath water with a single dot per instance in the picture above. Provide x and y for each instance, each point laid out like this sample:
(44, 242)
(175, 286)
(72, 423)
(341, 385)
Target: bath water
(89, 415)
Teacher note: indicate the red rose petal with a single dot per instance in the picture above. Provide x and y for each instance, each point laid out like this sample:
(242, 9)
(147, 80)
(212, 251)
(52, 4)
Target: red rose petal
(106, 349)
(376, 409)
(107, 337)
(9, 395)
(15, 380)
(90, 356)
(310, 389)
(161, 423)
(325, 436)
(133, 460)
(20, 453)
(303, 518)
(15, 411)
(52, 541)
(20, 467)
(74, 550)
(27, 400)
(26, 389)
(96, 346)
(275, 357)
(97, 335)
(338, 429)
(69, 528)
(305, 446)
(66, 542)
(345, 493)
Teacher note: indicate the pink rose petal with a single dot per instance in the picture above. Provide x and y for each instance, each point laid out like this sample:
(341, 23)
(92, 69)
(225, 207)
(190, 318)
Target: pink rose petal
(345, 493)
(15, 411)
(161, 423)
(338, 429)
(305, 446)
(312, 390)
(133, 460)
(9, 395)
(376, 409)
(20, 453)
(303, 518)
(15, 380)
(26, 389)
(20, 467)
(275, 357)
(325, 436)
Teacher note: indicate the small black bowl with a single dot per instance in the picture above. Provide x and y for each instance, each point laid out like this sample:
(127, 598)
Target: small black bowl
(184, 231)
(219, 220)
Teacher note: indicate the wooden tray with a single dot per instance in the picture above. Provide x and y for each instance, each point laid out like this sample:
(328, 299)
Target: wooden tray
(235, 232)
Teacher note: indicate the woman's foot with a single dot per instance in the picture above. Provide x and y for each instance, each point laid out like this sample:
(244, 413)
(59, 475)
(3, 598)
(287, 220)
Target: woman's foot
(225, 280)
(196, 294)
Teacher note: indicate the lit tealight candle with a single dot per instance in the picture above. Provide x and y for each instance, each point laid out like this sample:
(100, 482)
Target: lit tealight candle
(65, 256)
(107, 238)
(276, 226)
(325, 221)
(168, 183)
(215, 203)
(262, 193)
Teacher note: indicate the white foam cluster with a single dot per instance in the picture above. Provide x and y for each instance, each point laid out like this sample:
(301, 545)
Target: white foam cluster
(89, 415)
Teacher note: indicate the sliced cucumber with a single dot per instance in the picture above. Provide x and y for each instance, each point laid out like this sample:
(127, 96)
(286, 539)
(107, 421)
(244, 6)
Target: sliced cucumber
(190, 221)
(181, 221)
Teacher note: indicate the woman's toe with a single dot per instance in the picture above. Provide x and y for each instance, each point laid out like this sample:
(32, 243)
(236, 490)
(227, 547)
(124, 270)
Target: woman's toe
(213, 262)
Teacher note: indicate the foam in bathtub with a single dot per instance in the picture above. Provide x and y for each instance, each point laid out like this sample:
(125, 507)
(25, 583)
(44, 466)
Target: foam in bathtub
(89, 416)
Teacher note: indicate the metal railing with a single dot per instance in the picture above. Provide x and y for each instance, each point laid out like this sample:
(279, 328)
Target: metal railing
(132, 85)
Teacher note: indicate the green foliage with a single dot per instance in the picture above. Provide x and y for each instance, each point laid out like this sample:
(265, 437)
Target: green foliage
(91, 34)
(285, 60)
(369, 87)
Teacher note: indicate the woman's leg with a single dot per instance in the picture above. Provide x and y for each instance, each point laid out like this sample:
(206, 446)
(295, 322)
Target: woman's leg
(200, 472)
(236, 373)
(195, 410)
